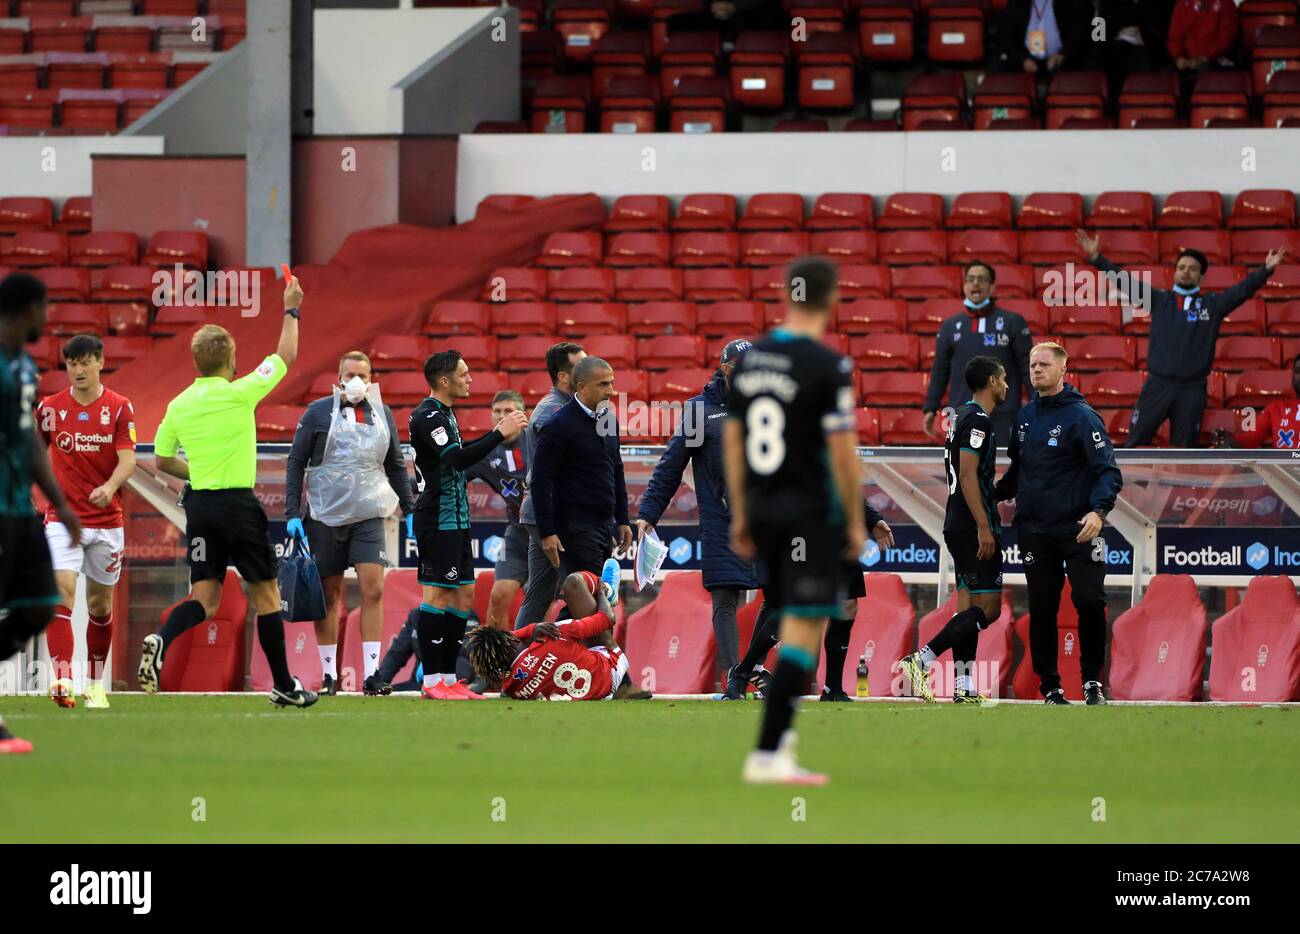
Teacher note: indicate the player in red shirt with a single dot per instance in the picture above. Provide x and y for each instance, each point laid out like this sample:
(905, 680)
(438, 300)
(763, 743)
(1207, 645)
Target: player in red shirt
(572, 659)
(1277, 426)
(90, 431)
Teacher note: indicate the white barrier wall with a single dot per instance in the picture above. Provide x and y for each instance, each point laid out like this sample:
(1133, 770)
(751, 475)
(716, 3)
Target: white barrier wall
(362, 56)
(58, 167)
(1086, 161)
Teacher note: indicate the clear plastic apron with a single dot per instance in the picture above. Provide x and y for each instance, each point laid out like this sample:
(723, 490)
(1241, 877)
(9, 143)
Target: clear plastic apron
(349, 485)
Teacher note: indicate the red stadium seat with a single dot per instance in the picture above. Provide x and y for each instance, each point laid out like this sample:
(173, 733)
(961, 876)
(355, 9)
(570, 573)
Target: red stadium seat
(1253, 15)
(564, 249)
(1120, 421)
(893, 389)
(525, 352)
(406, 388)
(1103, 352)
(169, 247)
(522, 318)
(927, 317)
(1132, 247)
(887, 30)
(74, 317)
(883, 632)
(669, 351)
(454, 318)
(986, 209)
(1011, 96)
(1148, 95)
(672, 638)
(1277, 49)
(118, 351)
(1284, 319)
(1122, 209)
(1282, 98)
(647, 319)
(885, 351)
(772, 248)
(75, 217)
(1075, 94)
(1220, 95)
(1262, 208)
(33, 248)
(1248, 353)
(560, 104)
(913, 247)
(487, 383)
(904, 426)
(992, 246)
(588, 319)
(993, 654)
(711, 285)
(515, 284)
(651, 284)
(911, 211)
(725, 319)
(47, 353)
(1215, 420)
(679, 384)
(768, 283)
(1062, 210)
(1024, 682)
(105, 249)
(1215, 387)
(1184, 209)
(398, 352)
(619, 54)
(1250, 247)
(871, 316)
(932, 97)
(619, 350)
(19, 214)
(581, 23)
(841, 212)
(845, 246)
(1283, 283)
(129, 319)
(65, 285)
(913, 282)
(53, 381)
(1158, 647)
(1080, 321)
(1256, 657)
(772, 212)
(130, 63)
(1049, 247)
(175, 319)
(955, 31)
(1215, 244)
(533, 386)
(706, 212)
(502, 203)
(864, 281)
(757, 69)
(638, 213)
(1013, 282)
(1257, 388)
(1248, 319)
(827, 64)
(706, 248)
(210, 657)
(687, 55)
(1113, 389)
(868, 426)
(626, 250)
(700, 104)
(577, 284)
(277, 422)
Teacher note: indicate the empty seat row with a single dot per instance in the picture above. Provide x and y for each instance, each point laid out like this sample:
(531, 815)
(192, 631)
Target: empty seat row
(77, 111)
(153, 33)
(34, 249)
(36, 214)
(96, 71)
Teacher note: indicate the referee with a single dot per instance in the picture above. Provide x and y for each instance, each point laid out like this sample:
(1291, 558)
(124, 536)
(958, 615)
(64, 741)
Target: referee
(1064, 480)
(213, 420)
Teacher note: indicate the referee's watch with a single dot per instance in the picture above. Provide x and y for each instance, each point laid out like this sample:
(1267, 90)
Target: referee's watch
(292, 312)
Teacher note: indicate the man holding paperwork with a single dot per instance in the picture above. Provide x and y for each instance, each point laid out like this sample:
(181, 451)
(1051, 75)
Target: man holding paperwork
(726, 576)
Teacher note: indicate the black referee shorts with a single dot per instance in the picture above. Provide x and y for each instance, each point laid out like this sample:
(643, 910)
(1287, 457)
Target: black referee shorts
(973, 573)
(806, 573)
(225, 527)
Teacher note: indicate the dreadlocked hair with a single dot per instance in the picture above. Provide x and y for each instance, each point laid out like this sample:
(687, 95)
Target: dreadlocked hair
(491, 651)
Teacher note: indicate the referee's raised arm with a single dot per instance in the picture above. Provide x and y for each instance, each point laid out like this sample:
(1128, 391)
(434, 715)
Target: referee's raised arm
(287, 350)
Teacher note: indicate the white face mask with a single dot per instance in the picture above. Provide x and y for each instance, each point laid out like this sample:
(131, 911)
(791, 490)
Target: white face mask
(354, 390)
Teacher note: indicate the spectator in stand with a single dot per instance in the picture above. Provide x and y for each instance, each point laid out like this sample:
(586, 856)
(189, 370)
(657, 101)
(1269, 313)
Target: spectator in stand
(1135, 38)
(1045, 36)
(1202, 33)
(1278, 426)
(729, 18)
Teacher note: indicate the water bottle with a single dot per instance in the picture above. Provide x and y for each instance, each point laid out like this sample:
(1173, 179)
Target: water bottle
(864, 690)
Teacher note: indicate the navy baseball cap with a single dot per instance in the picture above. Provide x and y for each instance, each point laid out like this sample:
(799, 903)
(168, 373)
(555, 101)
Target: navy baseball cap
(733, 350)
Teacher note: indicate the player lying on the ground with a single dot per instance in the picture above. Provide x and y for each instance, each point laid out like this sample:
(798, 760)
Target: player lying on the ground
(572, 659)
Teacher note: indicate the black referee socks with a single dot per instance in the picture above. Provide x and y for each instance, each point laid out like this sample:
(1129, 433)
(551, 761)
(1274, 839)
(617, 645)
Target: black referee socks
(181, 620)
(837, 651)
(766, 634)
(962, 627)
(270, 636)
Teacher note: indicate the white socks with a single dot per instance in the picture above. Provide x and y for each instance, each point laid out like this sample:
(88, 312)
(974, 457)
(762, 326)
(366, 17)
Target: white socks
(927, 657)
(370, 653)
(328, 661)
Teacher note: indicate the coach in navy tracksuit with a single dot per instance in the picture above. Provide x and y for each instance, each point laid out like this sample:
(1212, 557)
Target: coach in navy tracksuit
(1064, 479)
(725, 574)
(1184, 329)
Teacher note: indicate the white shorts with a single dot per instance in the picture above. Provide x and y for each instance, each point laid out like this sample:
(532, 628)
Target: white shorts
(99, 556)
(618, 666)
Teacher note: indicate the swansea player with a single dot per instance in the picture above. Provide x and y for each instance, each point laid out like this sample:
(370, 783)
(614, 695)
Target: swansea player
(28, 593)
(971, 531)
(90, 431)
(441, 522)
(505, 472)
(796, 497)
(571, 659)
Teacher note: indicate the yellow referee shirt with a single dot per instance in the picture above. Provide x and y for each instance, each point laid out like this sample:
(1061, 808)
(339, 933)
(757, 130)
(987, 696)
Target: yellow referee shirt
(214, 421)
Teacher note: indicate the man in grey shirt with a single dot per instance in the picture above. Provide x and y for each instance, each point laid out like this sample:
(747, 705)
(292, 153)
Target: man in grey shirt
(543, 577)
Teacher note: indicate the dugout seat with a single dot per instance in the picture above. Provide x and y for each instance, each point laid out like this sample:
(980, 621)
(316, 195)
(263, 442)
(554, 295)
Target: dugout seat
(1031, 309)
(1284, 319)
(772, 211)
(982, 209)
(1251, 247)
(1012, 96)
(1024, 682)
(883, 631)
(1049, 247)
(1256, 655)
(66, 319)
(1157, 648)
(932, 97)
(1015, 281)
(76, 215)
(1248, 353)
(1283, 283)
(992, 656)
(1113, 389)
(277, 422)
(210, 657)
(670, 645)
(401, 595)
(1147, 96)
(1047, 210)
(171, 247)
(398, 352)
(1080, 321)
(925, 318)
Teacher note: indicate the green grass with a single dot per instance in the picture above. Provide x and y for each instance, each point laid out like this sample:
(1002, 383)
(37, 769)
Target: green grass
(399, 769)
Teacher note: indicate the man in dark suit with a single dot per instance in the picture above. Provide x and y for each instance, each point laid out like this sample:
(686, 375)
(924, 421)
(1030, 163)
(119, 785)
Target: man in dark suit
(578, 490)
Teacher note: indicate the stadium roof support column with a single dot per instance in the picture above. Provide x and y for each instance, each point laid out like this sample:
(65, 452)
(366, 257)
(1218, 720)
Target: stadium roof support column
(270, 122)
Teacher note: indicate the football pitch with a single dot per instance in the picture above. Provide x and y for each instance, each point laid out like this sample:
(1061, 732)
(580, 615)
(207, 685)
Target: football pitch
(230, 768)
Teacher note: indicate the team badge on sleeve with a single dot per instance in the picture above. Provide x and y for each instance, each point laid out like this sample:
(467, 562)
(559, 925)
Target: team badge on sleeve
(976, 438)
(440, 435)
